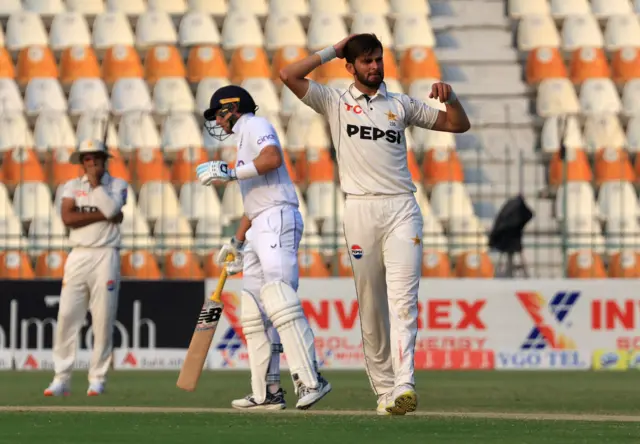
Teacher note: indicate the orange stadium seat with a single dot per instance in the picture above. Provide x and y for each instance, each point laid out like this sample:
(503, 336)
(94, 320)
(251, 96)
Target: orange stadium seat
(587, 63)
(544, 63)
(22, 165)
(585, 265)
(290, 169)
(140, 264)
(474, 265)
(613, 165)
(625, 65)
(311, 264)
(50, 264)
(248, 61)
(578, 169)
(625, 264)
(163, 61)
(335, 69)
(148, 165)
(61, 170)
(212, 269)
(117, 167)
(121, 61)
(344, 263)
(206, 61)
(419, 63)
(35, 61)
(182, 265)
(442, 165)
(315, 165)
(15, 265)
(78, 62)
(285, 56)
(7, 69)
(390, 64)
(183, 169)
(414, 168)
(436, 264)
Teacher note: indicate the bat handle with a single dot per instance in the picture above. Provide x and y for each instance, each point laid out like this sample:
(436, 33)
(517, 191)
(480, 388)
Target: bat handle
(223, 277)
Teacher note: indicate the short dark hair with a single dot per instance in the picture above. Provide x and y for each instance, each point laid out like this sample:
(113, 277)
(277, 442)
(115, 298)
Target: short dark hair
(361, 44)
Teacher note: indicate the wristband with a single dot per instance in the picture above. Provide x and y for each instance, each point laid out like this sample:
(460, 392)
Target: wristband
(327, 54)
(236, 243)
(452, 98)
(246, 171)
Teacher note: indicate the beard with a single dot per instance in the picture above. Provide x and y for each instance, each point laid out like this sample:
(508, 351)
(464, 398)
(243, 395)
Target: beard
(370, 83)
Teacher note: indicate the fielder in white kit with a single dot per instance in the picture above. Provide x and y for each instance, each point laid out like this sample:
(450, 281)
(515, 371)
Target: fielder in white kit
(268, 257)
(91, 208)
(382, 223)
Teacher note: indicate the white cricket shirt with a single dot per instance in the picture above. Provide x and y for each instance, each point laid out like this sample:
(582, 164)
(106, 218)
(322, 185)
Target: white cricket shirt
(369, 137)
(109, 198)
(269, 190)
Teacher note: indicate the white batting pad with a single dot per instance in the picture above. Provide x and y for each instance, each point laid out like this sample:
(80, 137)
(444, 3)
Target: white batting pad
(258, 345)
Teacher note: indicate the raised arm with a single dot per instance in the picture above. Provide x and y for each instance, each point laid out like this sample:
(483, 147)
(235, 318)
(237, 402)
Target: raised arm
(454, 119)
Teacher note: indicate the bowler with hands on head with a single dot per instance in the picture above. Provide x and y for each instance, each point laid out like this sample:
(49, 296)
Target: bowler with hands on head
(92, 209)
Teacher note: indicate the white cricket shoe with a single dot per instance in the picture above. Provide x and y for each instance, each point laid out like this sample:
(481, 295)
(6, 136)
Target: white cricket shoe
(57, 388)
(95, 389)
(307, 397)
(385, 401)
(405, 400)
(273, 401)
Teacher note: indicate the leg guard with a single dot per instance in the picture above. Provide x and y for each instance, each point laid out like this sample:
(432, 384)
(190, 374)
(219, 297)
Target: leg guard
(258, 345)
(285, 312)
(273, 374)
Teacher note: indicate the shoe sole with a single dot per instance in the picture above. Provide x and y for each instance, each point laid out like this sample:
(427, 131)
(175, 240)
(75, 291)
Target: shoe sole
(406, 402)
(323, 393)
(94, 393)
(49, 394)
(261, 407)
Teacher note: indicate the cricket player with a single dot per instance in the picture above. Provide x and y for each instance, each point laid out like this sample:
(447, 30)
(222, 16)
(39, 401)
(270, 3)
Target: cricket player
(382, 223)
(91, 208)
(266, 251)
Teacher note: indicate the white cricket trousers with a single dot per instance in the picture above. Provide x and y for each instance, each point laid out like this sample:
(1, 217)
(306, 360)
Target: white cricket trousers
(91, 281)
(384, 236)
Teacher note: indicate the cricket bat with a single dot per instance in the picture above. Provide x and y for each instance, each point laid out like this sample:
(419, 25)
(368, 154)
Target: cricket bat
(202, 336)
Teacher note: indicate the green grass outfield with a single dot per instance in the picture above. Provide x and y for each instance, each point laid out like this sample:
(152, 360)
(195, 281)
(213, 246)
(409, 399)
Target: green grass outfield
(455, 407)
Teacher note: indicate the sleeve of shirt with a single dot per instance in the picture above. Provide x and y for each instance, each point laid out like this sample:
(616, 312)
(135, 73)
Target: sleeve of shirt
(264, 134)
(419, 113)
(320, 98)
(110, 205)
(68, 190)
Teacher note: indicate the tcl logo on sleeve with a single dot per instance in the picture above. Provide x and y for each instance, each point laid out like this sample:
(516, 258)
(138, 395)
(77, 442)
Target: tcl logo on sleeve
(266, 138)
(370, 133)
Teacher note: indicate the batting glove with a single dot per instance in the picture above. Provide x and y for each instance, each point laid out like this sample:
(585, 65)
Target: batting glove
(215, 171)
(235, 248)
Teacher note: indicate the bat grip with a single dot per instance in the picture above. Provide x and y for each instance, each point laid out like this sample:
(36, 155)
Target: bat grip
(223, 277)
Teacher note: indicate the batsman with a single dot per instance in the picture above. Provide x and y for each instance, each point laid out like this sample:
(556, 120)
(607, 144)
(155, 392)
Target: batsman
(265, 249)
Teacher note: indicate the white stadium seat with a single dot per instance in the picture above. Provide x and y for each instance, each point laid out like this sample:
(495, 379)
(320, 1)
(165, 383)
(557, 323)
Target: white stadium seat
(158, 199)
(299, 8)
(520, 8)
(198, 202)
(585, 233)
(427, 139)
(44, 94)
(607, 8)
(231, 205)
(137, 130)
(25, 28)
(217, 8)
(172, 94)
(198, 28)
(135, 230)
(282, 30)
(155, 28)
(69, 29)
(44, 7)
(622, 234)
(563, 8)
(622, 31)
(556, 96)
(131, 8)
(380, 7)
(53, 130)
(339, 7)
(130, 94)
(550, 136)
(450, 200)
(633, 134)
(433, 238)
(88, 95)
(599, 96)
(290, 104)
(325, 28)
(410, 7)
(205, 90)
(32, 200)
(580, 201)
(618, 200)
(536, 31)
(8, 7)
(10, 96)
(631, 98)
(47, 233)
(173, 7)
(259, 8)
(241, 29)
(325, 205)
(264, 94)
(86, 7)
(602, 131)
(307, 132)
(179, 131)
(14, 131)
(412, 30)
(467, 234)
(208, 235)
(171, 233)
(111, 29)
(91, 125)
(11, 233)
(579, 31)
(365, 22)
